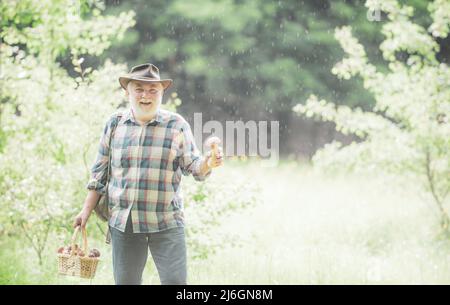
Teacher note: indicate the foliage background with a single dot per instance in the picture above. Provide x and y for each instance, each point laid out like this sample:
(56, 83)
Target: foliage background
(255, 60)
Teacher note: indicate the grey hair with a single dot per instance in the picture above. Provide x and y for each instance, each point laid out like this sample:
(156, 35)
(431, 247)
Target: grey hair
(128, 85)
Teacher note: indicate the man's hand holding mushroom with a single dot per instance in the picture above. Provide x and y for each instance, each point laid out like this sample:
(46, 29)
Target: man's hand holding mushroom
(214, 156)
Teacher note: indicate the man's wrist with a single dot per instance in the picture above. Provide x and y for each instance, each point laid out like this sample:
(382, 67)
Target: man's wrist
(87, 209)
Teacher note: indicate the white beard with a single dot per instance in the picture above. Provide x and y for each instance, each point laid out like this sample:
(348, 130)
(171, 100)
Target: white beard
(143, 114)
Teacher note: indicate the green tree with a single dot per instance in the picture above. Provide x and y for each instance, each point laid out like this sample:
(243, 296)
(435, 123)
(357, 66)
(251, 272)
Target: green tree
(247, 59)
(408, 131)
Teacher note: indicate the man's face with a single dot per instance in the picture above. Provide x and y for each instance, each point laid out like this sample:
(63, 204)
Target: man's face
(145, 98)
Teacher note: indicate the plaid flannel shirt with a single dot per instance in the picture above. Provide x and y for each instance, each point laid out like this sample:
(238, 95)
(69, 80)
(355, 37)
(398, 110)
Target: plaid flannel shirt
(147, 163)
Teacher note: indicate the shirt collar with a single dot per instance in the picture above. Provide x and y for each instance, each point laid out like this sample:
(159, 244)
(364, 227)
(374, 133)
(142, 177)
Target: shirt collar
(129, 117)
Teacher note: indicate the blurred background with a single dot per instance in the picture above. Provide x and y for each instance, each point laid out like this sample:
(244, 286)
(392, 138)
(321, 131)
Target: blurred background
(255, 60)
(361, 92)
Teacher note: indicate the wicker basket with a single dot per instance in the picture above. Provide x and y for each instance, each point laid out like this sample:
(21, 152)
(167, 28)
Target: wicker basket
(74, 265)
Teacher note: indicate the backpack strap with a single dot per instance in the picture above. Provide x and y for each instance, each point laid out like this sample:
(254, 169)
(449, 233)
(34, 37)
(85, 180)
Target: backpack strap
(113, 129)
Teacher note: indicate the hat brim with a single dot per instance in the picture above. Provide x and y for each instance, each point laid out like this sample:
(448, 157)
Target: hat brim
(124, 80)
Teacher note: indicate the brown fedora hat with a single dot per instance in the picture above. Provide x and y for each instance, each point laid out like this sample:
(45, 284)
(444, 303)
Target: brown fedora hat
(145, 73)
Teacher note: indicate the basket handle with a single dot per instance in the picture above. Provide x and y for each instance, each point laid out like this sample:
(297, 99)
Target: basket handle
(74, 238)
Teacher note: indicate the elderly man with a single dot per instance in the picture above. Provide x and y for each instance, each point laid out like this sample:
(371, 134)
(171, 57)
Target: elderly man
(150, 150)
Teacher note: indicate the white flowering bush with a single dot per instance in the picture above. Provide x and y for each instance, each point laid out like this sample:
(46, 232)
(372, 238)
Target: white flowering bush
(408, 131)
(209, 204)
(51, 121)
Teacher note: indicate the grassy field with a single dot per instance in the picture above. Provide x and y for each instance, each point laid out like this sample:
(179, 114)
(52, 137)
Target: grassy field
(308, 228)
(312, 229)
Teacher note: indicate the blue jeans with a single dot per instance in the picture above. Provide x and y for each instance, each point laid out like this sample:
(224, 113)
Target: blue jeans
(130, 252)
